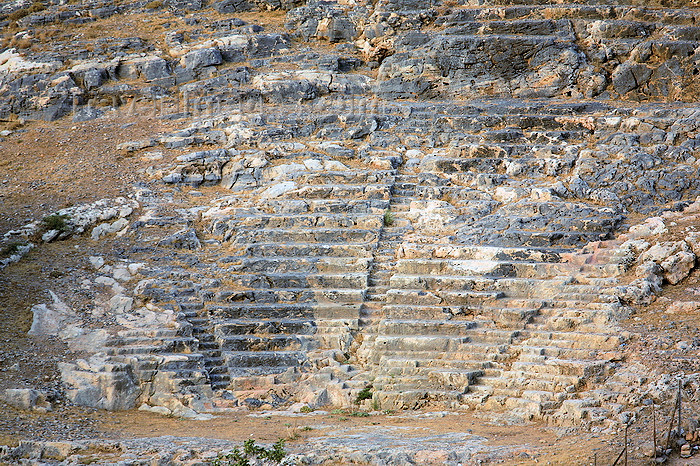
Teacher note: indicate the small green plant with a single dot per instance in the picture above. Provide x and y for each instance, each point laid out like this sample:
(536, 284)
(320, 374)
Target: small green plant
(364, 394)
(233, 458)
(359, 414)
(306, 428)
(11, 249)
(276, 453)
(154, 4)
(306, 409)
(388, 218)
(251, 451)
(55, 222)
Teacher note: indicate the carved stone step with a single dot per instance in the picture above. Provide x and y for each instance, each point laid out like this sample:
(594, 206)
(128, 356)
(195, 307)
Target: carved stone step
(317, 207)
(342, 191)
(316, 220)
(270, 343)
(421, 297)
(556, 352)
(306, 264)
(550, 238)
(347, 176)
(219, 381)
(270, 326)
(563, 323)
(313, 235)
(262, 362)
(487, 253)
(146, 346)
(476, 356)
(553, 366)
(456, 313)
(424, 327)
(519, 406)
(521, 380)
(293, 294)
(485, 267)
(297, 280)
(417, 399)
(305, 248)
(448, 284)
(282, 310)
(437, 343)
(600, 341)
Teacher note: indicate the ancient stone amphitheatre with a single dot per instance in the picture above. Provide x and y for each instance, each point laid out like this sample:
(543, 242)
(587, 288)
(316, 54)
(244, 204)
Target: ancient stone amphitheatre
(391, 232)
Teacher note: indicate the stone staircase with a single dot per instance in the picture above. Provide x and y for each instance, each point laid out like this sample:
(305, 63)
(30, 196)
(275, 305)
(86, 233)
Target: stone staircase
(491, 314)
(297, 273)
(457, 280)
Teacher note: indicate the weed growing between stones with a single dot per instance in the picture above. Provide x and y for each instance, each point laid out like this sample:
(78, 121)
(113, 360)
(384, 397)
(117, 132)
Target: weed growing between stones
(388, 218)
(55, 222)
(11, 248)
(273, 455)
(365, 394)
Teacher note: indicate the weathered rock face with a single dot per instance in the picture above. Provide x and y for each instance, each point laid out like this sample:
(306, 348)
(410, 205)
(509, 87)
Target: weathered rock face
(430, 199)
(526, 51)
(26, 399)
(99, 385)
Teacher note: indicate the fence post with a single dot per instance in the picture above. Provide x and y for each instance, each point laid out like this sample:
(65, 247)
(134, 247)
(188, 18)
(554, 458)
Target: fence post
(670, 426)
(679, 408)
(653, 419)
(626, 427)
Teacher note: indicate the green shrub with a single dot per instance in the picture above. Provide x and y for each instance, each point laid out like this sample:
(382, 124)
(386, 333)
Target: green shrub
(306, 409)
(388, 218)
(11, 249)
(275, 454)
(365, 394)
(55, 222)
(234, 458)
